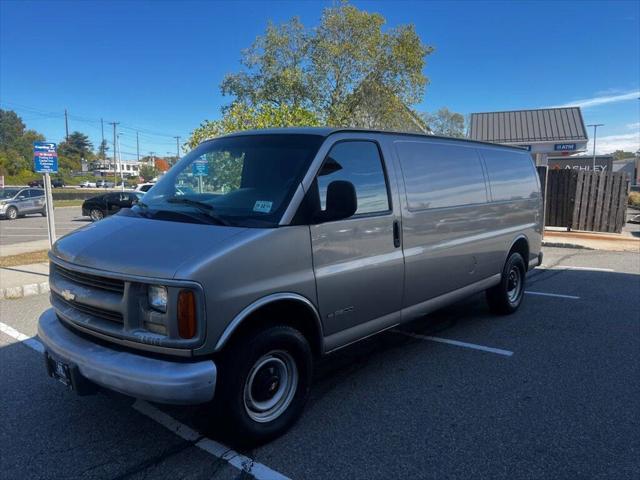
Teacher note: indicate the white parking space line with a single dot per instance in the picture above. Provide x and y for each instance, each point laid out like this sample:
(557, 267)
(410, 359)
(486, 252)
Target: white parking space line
(569, 267)
(32, 228)
(457, 343)
(237, 460)
(257, 470)
(545, 294)
(29, 342)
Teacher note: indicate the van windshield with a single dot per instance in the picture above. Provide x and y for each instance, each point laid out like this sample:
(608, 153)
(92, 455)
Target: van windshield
(240, 181)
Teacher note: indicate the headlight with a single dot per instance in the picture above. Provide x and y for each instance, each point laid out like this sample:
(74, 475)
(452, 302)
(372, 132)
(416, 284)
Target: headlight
(157, 295)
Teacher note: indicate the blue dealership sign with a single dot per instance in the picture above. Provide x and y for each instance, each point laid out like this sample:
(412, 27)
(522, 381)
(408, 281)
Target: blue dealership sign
(564, 147)
(200, 168)
(45, 157)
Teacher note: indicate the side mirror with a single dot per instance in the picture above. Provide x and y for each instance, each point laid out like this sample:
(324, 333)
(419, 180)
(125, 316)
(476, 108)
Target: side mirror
(341, 202)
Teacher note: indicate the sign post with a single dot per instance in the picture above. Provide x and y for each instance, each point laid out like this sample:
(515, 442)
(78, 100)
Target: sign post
(45, 161)
(200, 168)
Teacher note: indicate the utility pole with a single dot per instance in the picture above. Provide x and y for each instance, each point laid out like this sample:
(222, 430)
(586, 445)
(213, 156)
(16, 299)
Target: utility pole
(66, 125)
(595, 132)
(102, 143)
(177, 147)
(115, 177)
(137, 147)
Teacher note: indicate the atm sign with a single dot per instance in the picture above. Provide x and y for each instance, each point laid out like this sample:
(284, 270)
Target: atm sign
(564, 147)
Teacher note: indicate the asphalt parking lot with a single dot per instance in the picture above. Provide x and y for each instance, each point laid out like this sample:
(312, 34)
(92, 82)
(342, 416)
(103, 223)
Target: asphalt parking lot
(34, 227)
(549, 392)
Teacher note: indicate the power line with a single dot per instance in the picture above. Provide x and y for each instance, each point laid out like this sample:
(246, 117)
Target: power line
(88, 120)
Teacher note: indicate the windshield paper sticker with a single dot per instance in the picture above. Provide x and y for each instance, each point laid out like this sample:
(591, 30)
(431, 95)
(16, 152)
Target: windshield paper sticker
(262, 206)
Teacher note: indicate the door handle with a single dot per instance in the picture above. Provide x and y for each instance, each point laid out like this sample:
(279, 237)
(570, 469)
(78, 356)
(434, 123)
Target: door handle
(396, 233)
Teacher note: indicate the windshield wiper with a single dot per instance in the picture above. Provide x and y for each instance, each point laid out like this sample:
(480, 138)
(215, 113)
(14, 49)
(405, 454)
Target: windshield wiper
(203, 207)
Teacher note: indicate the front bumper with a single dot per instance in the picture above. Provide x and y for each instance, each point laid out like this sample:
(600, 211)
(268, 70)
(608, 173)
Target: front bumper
(136, 375)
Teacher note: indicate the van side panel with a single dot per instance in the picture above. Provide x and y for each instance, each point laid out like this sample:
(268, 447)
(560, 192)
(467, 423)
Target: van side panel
(516, 201)
(447, 224)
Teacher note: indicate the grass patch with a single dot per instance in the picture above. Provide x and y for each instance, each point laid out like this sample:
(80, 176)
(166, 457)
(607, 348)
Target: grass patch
(68, 203)
(24, 259)
(634, 199)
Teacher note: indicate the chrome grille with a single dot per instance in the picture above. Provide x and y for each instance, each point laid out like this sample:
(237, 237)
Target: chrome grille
(89, 310)
(93, 281)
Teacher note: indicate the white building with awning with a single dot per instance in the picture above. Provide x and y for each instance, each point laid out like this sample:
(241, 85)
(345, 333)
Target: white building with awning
(545, 132)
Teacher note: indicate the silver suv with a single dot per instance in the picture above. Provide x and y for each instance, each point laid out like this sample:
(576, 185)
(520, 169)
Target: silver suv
(261, 251)
(16, 202)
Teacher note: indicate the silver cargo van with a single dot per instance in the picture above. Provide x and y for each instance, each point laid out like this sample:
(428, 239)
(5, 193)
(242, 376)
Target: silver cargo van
(261, 251)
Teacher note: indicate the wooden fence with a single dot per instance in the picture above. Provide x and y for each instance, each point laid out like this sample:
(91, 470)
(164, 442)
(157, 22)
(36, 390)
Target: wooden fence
(584, 200)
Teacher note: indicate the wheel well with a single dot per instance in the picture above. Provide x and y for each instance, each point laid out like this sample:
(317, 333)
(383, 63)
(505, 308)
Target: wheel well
(522, 247)
(288, 312)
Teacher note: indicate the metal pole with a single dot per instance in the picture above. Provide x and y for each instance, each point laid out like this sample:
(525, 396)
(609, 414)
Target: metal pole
(177, 148)
(66, 126)
(137, 147)
(595, 133)
(51, 224)
(102, 144)
(115, 173)
(120, 163)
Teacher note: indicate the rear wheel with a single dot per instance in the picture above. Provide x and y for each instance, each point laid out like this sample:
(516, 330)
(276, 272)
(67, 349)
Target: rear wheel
(43, 213)
(11, 213)
(506, 297)
(96, 214)
(263, 384)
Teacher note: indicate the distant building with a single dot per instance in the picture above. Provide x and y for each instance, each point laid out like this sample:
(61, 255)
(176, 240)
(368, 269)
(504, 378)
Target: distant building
(543, 132)
(106, 168)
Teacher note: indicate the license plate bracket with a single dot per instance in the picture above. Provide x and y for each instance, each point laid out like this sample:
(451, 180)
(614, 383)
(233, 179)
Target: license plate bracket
(60, 371)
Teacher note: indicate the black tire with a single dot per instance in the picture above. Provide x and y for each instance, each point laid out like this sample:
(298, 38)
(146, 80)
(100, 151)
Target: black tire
(506, 297)
(11, 213)
(239, 381)
(43, 213)
(96, 214)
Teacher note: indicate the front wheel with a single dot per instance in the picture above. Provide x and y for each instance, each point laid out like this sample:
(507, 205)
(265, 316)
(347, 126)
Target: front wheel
(264, 383)
(12, 213)
(506, 297)
(96, 214)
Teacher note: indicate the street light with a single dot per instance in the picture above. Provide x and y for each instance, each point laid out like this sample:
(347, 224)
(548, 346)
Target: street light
(595, 133)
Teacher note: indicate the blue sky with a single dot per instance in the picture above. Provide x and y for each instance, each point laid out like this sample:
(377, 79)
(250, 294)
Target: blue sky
(157, 66)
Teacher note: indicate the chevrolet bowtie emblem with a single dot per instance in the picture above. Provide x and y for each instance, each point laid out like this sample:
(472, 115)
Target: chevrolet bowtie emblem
(68, 295)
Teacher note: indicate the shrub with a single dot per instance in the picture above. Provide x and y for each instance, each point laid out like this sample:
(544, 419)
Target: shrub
(634, 199)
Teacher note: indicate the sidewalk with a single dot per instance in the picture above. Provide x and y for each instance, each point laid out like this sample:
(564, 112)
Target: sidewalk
(24, 280)
(559, 237)
(23, 247)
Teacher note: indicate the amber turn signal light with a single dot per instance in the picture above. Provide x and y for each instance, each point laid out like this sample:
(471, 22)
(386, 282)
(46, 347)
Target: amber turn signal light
(187, 314)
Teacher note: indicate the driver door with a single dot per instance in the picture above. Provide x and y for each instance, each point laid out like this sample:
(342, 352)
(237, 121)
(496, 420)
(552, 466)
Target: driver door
(358, 261)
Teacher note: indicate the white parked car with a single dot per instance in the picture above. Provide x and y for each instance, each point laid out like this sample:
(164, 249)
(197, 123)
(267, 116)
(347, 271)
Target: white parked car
(144, 187)
(88, 184)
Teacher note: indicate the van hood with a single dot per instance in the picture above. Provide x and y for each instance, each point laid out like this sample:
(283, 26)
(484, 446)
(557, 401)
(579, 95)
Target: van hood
(140, 246)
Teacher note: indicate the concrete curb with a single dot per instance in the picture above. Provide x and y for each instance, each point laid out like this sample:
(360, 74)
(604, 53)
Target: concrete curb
(13, 293)
(565, 245)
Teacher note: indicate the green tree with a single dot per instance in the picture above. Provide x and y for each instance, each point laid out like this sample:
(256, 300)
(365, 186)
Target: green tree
(240, 116)
(16, 144)
(73, 150)
(148, 173)
(445, 122)
(621, 154)
(348, 71)
(103, 148)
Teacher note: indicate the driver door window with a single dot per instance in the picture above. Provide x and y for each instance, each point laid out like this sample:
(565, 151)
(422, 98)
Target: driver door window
(359, 163)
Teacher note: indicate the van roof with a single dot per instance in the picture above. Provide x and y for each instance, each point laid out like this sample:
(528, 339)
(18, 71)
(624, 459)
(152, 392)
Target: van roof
(326, 131)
